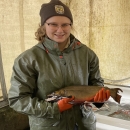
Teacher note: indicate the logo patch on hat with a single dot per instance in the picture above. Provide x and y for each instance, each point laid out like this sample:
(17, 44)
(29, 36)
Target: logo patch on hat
(59, 9)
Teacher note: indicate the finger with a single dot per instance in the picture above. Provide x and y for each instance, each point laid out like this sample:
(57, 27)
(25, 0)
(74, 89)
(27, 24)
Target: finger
(100, 95)
(72, 98)
(96, 97)
(104, 95)
(69, 99)
(108, 94)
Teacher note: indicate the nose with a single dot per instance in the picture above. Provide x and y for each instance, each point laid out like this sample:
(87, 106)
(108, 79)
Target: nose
(59, 29)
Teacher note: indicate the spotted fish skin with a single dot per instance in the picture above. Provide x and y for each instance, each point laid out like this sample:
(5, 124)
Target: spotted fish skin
(83, 91)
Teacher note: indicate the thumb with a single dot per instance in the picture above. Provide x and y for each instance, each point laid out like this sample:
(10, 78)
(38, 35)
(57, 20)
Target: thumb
(69, 99)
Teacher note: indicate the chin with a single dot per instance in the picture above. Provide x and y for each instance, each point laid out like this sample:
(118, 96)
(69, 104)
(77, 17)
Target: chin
(60, 41)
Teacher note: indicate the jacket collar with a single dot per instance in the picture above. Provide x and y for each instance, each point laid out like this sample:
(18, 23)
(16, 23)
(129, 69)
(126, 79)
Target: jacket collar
(52, 46)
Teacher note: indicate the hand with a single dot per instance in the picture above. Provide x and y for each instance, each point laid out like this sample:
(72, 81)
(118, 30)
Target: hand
(64, 104)
(102, 95)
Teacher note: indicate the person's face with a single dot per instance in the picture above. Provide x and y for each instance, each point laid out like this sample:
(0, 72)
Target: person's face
(58, 28)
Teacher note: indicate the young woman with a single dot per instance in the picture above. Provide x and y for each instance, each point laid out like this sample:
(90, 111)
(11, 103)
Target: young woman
(57, 61)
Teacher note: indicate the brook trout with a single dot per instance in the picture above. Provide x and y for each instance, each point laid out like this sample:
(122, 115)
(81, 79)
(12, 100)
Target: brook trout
(82, 92)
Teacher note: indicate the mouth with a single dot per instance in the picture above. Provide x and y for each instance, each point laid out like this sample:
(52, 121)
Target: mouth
(59, 35)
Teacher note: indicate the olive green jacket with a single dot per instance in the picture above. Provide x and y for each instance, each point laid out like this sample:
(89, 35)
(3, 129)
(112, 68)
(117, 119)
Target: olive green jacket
(43, 69)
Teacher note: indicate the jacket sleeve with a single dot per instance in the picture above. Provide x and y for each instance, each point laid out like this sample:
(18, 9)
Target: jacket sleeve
(95, 76)
(23, 86)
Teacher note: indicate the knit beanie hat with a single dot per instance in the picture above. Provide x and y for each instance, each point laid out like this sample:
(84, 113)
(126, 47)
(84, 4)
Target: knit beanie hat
(54, 8)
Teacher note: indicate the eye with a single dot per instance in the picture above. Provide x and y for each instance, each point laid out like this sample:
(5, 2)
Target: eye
(53, 24)
(65, 25)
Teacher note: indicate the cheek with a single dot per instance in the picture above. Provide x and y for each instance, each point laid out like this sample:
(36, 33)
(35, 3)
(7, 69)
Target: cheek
(68, 31)
(49, 33)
